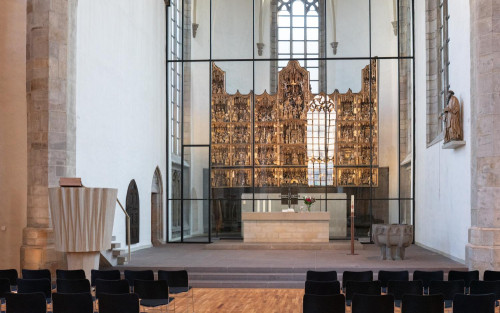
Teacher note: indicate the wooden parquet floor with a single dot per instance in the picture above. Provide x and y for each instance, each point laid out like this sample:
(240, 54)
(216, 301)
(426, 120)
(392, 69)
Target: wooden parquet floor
(225, 300)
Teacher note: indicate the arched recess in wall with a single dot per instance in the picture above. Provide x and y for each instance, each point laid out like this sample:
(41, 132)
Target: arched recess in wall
(132, 207)
(157, 209)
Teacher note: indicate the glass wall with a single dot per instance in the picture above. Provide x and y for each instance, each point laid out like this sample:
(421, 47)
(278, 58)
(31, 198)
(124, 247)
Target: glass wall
(240, 141)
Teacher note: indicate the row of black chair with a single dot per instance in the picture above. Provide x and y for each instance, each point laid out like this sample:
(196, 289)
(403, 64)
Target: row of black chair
(385, 304)
(130, 275)
(72, 303)
(397, 284)
(384, 276)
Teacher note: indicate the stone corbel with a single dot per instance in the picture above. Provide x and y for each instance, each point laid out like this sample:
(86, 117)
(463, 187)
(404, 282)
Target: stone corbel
(334, 45)
(195, 29)
(260, 48)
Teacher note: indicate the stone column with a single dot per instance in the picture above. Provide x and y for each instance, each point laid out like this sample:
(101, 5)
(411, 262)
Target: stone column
(50, 90)
(483, 250)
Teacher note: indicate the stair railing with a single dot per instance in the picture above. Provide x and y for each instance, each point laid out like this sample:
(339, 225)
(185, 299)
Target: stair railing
(128, 228)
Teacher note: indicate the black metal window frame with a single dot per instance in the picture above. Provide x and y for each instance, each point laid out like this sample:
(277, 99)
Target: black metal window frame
(211, 60)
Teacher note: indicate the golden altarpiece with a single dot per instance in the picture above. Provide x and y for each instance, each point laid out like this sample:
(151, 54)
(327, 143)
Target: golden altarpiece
(277, 127)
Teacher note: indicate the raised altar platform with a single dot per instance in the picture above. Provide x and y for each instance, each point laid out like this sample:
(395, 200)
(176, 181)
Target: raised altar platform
(307, 227)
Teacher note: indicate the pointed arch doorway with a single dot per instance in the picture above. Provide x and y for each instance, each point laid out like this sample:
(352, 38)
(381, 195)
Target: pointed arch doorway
(132, 208)
(157, 209)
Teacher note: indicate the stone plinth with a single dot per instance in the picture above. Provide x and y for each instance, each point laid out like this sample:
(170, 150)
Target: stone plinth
(393, 238)
(311, 227)
(83, 222)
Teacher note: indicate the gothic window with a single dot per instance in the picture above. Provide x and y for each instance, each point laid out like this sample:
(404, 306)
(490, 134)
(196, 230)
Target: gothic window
(437, 66)
(443, 76)
(175, 75)
(298, 35)
(321, 141)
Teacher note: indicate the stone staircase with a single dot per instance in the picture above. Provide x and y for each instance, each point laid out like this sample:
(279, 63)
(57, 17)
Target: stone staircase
(116, 255)
(246, 278)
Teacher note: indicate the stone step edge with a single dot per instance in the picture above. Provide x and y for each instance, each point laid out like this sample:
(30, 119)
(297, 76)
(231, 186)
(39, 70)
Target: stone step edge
(247, 284)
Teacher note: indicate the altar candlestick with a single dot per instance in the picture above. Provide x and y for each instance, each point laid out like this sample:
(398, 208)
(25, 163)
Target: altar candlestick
(269, 205)
(258, 206)
(352, 205)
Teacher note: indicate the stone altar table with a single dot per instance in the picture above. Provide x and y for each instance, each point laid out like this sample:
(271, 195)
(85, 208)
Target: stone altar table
(307, 227)
(336, 204)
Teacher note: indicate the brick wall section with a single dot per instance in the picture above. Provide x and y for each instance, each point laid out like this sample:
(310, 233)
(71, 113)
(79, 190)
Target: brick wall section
(50, 89)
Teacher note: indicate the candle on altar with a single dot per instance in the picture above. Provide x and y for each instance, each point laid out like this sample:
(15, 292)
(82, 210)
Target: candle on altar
(258, 205)
(268, 205)
(352, 204)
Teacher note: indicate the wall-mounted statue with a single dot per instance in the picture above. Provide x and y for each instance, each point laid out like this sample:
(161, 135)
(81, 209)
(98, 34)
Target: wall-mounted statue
(452, 119)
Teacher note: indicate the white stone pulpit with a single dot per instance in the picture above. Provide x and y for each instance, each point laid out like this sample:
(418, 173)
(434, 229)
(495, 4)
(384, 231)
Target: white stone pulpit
(83, 223)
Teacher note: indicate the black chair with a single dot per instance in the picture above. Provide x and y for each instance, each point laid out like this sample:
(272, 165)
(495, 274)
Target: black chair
(466, 276)
(427, 276)
(70, 274)
(11, 275)
(478, 287)
(448, 289)
(119, 303)
(371, 288)
(372, 304)
(131, 276)
(474, 303)
(72, 303)
(356, 276)
(419, 304)
(177, 281)
(4, 287)
(322, 288)
(35, 285)
(36, 274)
(152, 293)
(385, 276)
(321, 276)
(399, 288)
(488, 275)
(26, 302)
(323, 304)
(73, 285)
(111, 287)
(104, 275)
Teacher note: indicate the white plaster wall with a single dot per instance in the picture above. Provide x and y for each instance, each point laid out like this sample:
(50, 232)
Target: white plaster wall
(121, 130)
(232, 39)
(13, 130)
(443, 177)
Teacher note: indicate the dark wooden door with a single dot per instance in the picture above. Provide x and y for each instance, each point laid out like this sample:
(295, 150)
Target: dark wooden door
(132, 207)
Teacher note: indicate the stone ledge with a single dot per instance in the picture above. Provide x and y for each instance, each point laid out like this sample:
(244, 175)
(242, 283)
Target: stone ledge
(453, 144)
